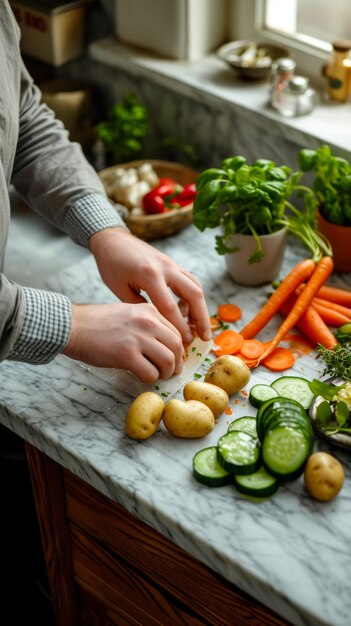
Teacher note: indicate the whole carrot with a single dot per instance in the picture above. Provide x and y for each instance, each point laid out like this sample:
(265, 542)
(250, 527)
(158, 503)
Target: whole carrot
(343, 310)
(311, 324)
(323, 270)
(330, 316)
(301, 272)
(335, 294)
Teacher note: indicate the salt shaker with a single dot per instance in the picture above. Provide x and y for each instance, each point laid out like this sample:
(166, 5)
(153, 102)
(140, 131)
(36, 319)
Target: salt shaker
(282, 70)
(297, 97)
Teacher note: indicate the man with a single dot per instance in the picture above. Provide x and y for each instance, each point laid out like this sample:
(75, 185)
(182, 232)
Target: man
(53, 177)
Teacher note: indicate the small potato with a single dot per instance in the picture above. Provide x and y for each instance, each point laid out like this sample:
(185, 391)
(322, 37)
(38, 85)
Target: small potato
(229, 373)
(214, 397)
(188, 420)
(323, 476)
(144, 415)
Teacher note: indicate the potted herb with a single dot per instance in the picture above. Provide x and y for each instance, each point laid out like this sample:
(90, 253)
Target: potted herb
(332, 186)
(252, 204)
(124, 131)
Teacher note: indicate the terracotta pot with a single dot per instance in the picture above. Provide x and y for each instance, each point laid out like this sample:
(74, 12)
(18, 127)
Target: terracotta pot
(263, 271)
(339, 238)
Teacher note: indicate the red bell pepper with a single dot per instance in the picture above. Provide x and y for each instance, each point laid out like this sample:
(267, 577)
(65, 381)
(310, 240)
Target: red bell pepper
(158, 199)
(185, 197)
(154, 203)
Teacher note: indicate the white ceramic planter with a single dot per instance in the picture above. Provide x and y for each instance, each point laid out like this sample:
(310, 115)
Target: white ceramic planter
(263, 271)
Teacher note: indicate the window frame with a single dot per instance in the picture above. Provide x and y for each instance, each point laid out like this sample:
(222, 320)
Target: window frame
(248, 23)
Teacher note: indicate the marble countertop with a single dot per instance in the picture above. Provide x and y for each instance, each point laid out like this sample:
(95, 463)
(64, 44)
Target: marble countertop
(290, 552)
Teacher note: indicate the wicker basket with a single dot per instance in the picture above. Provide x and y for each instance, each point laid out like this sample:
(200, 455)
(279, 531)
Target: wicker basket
(162, 225)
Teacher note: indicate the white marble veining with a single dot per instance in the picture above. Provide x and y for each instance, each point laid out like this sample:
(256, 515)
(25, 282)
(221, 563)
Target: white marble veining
(290, 552)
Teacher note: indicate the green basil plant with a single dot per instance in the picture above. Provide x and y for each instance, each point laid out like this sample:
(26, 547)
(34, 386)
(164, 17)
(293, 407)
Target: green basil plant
(256, 200)
(332, 183)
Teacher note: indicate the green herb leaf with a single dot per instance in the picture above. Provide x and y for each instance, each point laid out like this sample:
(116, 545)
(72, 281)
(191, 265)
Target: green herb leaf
(324, 412)
(342, 412)
(325, 390)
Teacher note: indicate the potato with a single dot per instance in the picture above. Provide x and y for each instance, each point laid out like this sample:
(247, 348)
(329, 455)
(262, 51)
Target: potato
(214, 397)
(323, 476)
(189, 420)
(144, 415)
(229, 373)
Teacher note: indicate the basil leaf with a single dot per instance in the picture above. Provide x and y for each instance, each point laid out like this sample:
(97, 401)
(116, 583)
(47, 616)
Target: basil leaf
(341, 412)
(324, 412)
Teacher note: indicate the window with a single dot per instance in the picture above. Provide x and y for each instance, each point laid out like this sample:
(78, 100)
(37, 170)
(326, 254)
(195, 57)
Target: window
(306, 27)
(315, 22)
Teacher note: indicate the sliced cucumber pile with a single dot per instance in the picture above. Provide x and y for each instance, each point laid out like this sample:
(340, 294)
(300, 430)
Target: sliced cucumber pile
(286, 434)
(259, 453)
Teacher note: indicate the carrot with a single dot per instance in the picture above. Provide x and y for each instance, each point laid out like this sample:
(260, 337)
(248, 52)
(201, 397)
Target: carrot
(280, 359)
(311, 324)
(252, 348)
(343, 310)
(227, 342)
(251, 363)
(323, 270)
(215, 323)
(335, 294)
(229, 312)
(331, 317)
(301, 272)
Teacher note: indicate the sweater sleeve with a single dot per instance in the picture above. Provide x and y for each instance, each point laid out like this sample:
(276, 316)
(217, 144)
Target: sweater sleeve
(51, 173)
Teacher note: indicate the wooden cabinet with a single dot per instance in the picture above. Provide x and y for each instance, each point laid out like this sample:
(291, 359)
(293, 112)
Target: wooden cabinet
(107, 568)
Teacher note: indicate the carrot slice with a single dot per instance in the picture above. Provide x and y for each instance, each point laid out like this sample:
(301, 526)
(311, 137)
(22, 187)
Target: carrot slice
(229, 312)
(227, 342)
(252, 348)
(215, 323)
(251, 363)
(279, 360)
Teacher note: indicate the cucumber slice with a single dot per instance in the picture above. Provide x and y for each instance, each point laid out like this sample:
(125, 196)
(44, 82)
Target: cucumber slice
(239, 452)
(279, 404)
(260, 393)
(246, 424)
(295, 388)
(207, 469)
(289, 417)
(261, 484)
(285, 451)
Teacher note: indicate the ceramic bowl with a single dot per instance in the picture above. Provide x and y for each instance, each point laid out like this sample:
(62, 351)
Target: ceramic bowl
(149, 227)
(252, 61)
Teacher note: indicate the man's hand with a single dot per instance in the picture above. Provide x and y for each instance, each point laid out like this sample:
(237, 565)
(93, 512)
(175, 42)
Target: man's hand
(130, 266)
(126, 336)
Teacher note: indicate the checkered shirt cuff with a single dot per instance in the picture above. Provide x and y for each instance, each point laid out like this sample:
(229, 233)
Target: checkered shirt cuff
(89, 215)
(46, 327)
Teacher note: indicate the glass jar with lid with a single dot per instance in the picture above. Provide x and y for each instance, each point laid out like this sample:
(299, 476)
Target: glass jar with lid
(282, 70)
(338, 71)
(297, 97)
